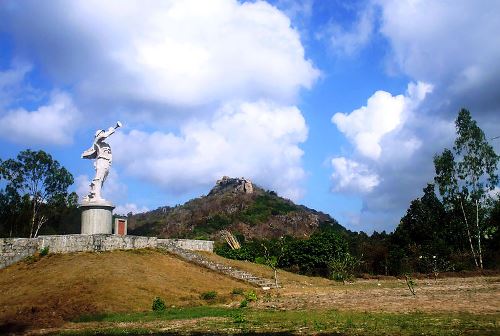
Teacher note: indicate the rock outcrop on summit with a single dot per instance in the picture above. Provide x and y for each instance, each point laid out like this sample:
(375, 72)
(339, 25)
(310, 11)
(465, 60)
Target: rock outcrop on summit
(227, 183)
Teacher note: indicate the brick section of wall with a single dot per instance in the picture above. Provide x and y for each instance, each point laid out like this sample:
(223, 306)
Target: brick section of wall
(187, 244)
(15, 249)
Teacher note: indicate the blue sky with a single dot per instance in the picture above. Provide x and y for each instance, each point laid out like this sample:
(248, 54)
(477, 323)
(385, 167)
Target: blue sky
(338, 105)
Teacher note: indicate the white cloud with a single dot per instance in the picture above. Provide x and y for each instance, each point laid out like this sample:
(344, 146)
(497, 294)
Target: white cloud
(124, 209)
(257, 140)
(448, 43)
(394, 144)
(113, 189)
(351, 176)
(82, 186)
(173, 53)
(383, 113)
(350, 41)
(53, 123)
(12, 83)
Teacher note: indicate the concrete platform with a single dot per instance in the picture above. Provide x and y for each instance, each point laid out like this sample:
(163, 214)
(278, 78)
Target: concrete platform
(97, 217)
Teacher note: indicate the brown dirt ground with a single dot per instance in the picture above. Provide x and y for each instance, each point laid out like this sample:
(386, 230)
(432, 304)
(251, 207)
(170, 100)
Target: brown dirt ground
(478, 295)
(57, 288)
(63, 286)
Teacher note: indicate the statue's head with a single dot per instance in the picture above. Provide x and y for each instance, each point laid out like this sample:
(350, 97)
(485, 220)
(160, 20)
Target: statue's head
(98, 132)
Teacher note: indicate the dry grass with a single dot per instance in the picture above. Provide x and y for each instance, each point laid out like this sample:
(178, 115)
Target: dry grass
(477, 295)
(284, 278)
(480, 295)
(63, 286)
(58, 288)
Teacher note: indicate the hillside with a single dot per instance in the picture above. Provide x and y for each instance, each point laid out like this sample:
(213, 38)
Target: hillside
(235, 204)
(58, 289)
(63, 286)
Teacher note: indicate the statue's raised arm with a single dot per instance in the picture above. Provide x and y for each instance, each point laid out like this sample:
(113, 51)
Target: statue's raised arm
(101, 152)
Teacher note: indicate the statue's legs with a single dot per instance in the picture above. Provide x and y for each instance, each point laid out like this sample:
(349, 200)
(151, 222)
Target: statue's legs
(101, 172)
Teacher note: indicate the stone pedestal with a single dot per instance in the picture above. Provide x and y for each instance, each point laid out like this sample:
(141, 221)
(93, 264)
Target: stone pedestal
(97, 217)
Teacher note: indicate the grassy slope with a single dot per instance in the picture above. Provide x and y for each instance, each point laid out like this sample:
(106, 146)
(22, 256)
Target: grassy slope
(59, 287)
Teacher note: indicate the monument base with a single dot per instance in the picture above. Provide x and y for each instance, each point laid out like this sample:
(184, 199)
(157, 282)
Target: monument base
(97, 217)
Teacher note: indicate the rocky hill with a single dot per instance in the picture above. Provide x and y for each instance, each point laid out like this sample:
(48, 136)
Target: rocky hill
(234, 204)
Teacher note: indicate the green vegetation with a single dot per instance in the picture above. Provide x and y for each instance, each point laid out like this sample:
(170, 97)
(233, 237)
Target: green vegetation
(208, 296)
(212, 225)
(158, 304)
(264, 207)
(44, 251)
(250, 296)
(465, 176)
(305, 256)
(342, 268)
(307, 321)
(35, 195)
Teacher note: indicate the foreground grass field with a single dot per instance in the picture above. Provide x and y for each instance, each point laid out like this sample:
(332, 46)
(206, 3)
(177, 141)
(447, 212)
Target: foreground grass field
(112, 292)
(220, 320)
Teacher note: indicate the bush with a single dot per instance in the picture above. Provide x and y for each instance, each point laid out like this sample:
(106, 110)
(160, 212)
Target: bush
(237, 291)
(158, 304)
(211, 295)
(44, 251)
(250, 296)
(342, 268)
(244, 303)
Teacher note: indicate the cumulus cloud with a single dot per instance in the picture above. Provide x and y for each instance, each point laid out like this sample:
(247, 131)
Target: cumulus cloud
(394, 143)
(180, 72)
(171, 53)
(365, 127)
(53, 123)
(113, 187)
(448, 43)
(258, 140)
(351, 176)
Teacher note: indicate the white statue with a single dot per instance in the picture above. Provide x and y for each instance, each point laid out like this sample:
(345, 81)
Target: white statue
(101, 152)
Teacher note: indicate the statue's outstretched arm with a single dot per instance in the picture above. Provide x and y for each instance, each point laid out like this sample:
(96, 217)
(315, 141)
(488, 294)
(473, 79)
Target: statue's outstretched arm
(110, 131)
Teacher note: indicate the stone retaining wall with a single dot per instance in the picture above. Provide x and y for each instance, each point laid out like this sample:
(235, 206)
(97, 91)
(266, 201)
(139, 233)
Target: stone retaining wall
(187, 244)
(15, 249)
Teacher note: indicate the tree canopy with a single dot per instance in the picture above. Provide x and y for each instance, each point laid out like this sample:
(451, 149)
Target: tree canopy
(35, 186)
(464, 176)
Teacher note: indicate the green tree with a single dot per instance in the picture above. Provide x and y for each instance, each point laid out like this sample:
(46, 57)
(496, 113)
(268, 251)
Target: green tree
(35, 178)
(312, 256)
(465, 175)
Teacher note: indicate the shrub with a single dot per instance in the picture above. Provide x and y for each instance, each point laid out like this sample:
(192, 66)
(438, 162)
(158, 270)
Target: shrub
(210, 295)
(238, 317)
(342, 268)
(158, 304)
(244, 303)
(250, 296)
(44, 251)
(237, 291)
